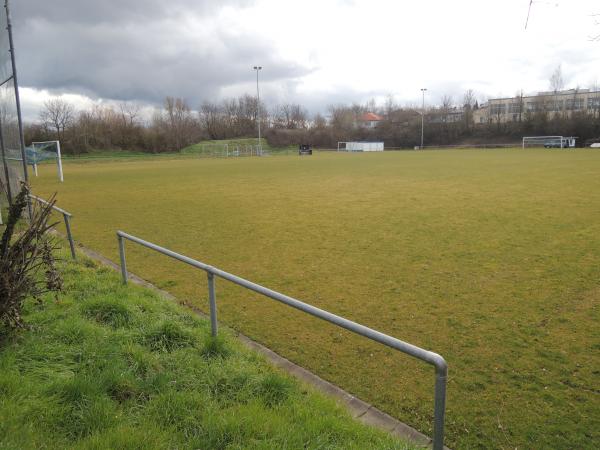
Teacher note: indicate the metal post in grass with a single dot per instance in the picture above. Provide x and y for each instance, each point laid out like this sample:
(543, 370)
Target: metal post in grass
(122, 256)
(439, 405)
(423, 117)
(67, 219)
(212, 300)
(257, 68)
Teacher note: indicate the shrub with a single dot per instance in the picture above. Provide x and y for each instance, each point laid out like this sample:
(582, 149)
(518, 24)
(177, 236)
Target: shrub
(23, 254)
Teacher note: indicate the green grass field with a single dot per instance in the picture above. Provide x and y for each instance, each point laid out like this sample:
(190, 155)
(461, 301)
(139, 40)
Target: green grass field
(108, 367)
(490, 258)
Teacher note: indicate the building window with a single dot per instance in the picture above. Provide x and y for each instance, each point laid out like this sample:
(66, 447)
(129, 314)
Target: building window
(554, 105)
(593, 103)
(498, 109)
(574, 104)
(515, 108)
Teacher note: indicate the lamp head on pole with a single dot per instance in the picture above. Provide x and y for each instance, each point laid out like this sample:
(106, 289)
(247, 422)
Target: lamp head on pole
(257, 67)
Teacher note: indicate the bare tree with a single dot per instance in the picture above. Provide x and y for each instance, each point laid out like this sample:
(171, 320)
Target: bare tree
(557, 83)
(130, 112)
(57, 115)
(520, 104)
(469, 101)
(342, 117)
(319, 122)
(291, 116)
(389, 106)
(179, 121)
(212, 119)
(446, 107)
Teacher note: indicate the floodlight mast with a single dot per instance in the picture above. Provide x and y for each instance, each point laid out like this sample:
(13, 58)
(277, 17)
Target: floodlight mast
(423, 117)
(257, 68)
(17, 97)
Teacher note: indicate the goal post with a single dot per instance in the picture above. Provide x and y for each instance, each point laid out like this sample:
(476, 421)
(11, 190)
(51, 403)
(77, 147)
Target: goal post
(43, 150)
(360, 146)
(549, 141)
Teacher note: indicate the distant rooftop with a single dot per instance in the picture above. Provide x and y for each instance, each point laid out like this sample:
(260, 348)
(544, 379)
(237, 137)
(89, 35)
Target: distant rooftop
(567, 91)
(370, 117)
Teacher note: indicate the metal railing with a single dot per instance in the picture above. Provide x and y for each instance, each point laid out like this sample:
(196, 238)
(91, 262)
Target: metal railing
(66, 217)
(441, 368)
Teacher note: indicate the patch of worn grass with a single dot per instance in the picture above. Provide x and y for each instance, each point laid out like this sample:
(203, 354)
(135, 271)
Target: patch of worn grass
(490, 258)
(114, 367)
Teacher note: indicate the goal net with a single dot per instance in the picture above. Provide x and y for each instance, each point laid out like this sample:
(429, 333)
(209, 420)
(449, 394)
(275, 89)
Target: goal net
(360, 146)
(43, 151)
(231, 150)
(548, 141)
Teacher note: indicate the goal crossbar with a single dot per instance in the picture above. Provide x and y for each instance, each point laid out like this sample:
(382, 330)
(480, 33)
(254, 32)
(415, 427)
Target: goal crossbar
(43, 145)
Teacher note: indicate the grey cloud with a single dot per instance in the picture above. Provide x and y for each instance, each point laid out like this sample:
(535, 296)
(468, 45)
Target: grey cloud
(111, 11)
(137, 50)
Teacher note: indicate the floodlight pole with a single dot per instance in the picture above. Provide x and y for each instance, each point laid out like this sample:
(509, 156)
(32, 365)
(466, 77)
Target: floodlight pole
(17, 97)
(257, 68)
(423, 117)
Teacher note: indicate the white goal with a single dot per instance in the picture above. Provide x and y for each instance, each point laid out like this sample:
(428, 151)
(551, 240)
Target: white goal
(549, 141)
(230, 150)
(360, 146)
(41, 151)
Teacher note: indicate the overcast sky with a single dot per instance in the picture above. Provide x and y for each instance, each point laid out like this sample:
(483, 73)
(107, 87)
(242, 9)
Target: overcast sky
(314, 52)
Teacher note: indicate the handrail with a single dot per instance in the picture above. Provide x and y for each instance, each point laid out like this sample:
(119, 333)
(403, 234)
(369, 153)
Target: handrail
(441, 368)
(66, 217)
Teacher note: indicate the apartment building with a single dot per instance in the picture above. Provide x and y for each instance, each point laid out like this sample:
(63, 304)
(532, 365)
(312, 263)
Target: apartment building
(515, 109)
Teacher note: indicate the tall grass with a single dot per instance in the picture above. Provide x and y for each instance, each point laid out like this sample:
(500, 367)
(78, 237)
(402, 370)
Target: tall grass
(114, 367)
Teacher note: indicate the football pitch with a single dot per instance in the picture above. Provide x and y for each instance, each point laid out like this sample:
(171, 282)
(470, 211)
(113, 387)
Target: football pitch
(490, 258)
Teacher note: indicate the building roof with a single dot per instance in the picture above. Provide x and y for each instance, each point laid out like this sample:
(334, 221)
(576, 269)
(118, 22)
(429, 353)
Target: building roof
(370, 117)
(550, 93)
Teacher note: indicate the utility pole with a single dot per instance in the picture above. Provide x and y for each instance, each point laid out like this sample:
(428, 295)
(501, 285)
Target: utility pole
(17, 98)
(257, 68)
(423, 117)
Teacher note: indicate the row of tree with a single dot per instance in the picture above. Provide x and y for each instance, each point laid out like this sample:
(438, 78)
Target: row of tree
(176, 125)
(170, 128)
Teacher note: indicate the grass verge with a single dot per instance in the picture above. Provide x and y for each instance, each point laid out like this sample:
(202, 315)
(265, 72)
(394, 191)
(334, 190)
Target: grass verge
(108, 366)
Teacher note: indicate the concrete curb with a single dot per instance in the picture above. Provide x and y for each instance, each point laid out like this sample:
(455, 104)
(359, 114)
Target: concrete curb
(359, 409)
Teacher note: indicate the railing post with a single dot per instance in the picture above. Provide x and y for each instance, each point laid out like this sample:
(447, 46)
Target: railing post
(212, 301)
(122, 255)
(69, 235)
(441, 374)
